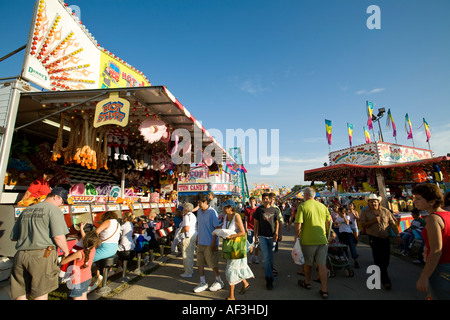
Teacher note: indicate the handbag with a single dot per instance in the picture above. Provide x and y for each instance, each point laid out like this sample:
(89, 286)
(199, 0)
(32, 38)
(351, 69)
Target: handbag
(234, 248)
(297, 254)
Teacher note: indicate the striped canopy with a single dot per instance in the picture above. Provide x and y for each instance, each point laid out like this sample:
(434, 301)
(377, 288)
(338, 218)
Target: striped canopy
(293, 195)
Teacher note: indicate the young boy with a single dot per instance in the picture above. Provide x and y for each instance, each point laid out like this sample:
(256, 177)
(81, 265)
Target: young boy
(207, 244)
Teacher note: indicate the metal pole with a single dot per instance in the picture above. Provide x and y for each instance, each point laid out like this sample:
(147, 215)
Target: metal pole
(7, 136)
(381, 132)
(12, 53)
(58, 112)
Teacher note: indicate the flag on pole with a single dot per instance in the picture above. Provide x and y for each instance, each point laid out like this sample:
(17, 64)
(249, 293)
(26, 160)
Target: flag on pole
(367, 135)
(328, 128)
(369, 106)
(390, 121)
(408, 127)
(427, 130)
(350, 133)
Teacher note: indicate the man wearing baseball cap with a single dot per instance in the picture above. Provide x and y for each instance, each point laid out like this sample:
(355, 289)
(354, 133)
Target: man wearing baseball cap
(378, 222)
(38, 231)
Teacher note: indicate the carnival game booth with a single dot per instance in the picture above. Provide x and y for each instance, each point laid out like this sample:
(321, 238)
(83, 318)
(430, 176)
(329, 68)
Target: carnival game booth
(259, 189)
(204, 179)
(384, 168)
(134, 159)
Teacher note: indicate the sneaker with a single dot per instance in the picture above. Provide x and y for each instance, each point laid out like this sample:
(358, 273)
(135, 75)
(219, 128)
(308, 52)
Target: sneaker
(99, 281)
(186, 275)
(216, 286)
(201, 287)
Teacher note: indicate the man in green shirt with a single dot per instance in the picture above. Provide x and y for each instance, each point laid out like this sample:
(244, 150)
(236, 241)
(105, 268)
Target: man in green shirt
(39, 230)
(312, 224)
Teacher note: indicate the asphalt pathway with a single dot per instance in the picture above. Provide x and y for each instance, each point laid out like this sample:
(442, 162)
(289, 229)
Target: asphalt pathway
(165, 283)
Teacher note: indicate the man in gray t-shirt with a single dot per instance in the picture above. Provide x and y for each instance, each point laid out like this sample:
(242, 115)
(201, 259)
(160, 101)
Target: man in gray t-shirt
(39, 230)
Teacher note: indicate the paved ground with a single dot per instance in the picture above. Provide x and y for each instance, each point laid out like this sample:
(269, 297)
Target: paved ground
(164, 283)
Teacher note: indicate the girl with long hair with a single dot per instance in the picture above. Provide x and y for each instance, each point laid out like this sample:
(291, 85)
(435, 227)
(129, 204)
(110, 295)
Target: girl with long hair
(81, 267)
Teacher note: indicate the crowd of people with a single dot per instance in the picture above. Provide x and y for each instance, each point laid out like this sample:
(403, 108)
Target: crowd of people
(246, 233)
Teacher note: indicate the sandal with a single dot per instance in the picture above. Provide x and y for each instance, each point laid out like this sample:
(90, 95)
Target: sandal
(244, 289)
(324, 294)
(303, 284)
(275, 272)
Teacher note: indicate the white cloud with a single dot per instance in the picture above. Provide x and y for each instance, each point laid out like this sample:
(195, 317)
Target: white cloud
(252, 85)
(364, 91)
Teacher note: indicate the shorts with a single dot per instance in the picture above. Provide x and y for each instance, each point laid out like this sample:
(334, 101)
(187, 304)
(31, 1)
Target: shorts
(33, 274)
(205, 257)
(317, 253)
(79, 288)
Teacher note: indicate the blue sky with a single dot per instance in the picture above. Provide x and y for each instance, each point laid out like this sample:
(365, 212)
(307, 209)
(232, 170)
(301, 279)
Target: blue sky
(285, 65)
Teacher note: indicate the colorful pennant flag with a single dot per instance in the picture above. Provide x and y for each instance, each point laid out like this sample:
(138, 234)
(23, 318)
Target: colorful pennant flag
(438, 176)
(350, 133)
(367, 135)
(390, 121)
(369, 106)
(427, 130)
(328, 124)
(408, 127)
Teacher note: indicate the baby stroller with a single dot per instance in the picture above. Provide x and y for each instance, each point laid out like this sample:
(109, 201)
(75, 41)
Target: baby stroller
(337, 260)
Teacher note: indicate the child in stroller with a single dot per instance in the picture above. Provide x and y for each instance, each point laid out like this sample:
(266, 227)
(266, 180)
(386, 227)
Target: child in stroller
(337, 257)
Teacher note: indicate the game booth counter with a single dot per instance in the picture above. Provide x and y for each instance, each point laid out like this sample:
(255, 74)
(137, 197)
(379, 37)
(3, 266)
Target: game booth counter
(110, 136)
(389, 170)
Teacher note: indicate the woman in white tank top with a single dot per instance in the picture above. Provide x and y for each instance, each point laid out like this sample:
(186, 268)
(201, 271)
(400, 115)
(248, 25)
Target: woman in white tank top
(109, 233)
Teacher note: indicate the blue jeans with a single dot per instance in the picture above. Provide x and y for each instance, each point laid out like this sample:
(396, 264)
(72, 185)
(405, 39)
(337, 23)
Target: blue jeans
(266, 247)
(439, 282)
(348, 239)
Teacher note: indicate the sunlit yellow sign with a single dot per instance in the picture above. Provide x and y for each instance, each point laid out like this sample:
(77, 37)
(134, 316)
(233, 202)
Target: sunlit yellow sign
(113, 110)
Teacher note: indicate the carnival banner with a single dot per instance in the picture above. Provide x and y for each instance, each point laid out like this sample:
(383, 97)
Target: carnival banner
(408, 127)
(427, 130)
(390, 122)
(367, 135)
(369, 106)
(350, 133)
(61, 54)
(328, 124)
(379, 153)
